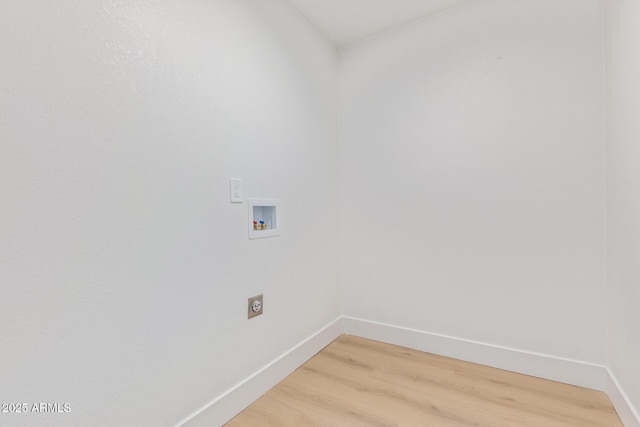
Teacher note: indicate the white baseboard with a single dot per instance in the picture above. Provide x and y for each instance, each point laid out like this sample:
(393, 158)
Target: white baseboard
(583, 374)
(553, 368)
(223, 408)
(627, 413)
(539, 365)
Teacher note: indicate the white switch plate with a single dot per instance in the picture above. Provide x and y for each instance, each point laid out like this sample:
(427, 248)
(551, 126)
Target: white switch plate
(236, 190)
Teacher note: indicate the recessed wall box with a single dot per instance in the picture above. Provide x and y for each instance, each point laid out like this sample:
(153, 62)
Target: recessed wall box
(263, 218)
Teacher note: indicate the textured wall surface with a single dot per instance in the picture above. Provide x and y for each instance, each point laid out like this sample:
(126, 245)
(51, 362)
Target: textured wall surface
(472, 176)
(623, 193)
(472, 192)
(124, 269)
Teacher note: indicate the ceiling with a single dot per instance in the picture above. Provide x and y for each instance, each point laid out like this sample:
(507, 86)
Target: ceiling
(346, 21)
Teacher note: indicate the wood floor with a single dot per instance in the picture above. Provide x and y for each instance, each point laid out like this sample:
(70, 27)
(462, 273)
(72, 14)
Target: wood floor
(358, 382)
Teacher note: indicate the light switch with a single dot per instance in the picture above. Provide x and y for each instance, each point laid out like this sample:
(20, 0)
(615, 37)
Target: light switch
(236, 190)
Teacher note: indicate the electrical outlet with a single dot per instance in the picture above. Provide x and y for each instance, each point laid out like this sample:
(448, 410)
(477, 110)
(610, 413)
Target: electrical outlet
(255, 306)
(236, 190)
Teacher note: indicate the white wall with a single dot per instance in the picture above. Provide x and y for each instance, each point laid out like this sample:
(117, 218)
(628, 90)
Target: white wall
(623, 194)
(472, 192)
(124, 269)
(472, 177)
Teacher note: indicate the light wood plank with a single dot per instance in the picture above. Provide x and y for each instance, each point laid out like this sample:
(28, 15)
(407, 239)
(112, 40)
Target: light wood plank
(355, 382)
